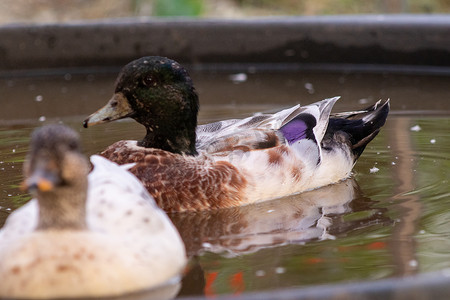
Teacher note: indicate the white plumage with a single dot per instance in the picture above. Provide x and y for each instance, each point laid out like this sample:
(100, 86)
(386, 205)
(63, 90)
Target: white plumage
(129, 244)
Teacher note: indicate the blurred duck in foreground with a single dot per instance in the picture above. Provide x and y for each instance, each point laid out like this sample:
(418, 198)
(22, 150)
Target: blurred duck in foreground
(84, 235)
(232, 162)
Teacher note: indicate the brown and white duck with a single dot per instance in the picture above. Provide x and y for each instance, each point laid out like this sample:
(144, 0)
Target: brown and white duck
(232, 162)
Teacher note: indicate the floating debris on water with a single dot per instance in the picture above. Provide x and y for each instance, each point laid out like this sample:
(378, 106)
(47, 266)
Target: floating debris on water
(238, 78)
(280, 270)
(206, 245)
(39, 98)
(433, 141)
(415, 128)
(374, 170)
(260, 273)
(413, 263)
(363, 101)
(42, 118)
(309, 87)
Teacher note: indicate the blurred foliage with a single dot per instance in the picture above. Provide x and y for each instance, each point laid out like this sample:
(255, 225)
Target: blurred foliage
(318, 7)
(50, 11)
(178, 7)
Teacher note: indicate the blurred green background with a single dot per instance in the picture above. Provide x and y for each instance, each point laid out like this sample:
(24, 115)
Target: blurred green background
(50, 11)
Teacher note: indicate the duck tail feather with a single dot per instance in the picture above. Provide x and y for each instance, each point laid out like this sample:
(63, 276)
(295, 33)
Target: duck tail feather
(361, 127)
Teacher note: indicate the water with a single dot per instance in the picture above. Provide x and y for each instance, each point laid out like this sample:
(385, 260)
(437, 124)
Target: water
(390, 220)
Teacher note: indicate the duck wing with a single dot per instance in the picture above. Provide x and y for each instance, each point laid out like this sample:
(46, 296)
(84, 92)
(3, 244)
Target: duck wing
(263, 131)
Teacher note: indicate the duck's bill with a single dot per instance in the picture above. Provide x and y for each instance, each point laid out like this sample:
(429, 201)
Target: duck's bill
(41, 180)
(116, 108)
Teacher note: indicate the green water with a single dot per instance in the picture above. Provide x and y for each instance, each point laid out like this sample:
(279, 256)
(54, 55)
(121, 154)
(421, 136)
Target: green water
(388, 222)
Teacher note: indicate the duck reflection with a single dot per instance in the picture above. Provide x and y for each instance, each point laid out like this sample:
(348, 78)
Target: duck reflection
(313, 215)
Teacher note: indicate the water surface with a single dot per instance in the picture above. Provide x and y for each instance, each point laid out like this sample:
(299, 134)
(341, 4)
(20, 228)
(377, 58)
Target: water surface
(389, 220)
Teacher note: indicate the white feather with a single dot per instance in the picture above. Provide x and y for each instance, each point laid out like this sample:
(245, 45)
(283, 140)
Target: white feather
(132, 242)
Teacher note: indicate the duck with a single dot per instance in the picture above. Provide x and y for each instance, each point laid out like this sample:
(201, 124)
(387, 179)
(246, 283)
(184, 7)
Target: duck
(86, 233)
(191, 167)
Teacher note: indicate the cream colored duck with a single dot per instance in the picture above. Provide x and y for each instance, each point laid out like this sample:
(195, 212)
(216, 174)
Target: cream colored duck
(232, 162)
(84, 235)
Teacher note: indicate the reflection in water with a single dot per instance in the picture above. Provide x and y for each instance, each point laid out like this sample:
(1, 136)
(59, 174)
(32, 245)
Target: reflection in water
(319, 215)
(403, 244)
(314, 215)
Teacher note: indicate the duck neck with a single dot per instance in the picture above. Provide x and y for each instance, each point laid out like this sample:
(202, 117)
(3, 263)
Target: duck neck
(62, 209)
(180, 140)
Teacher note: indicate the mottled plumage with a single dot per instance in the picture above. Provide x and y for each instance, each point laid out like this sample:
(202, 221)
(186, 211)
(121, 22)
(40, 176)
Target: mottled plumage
(231, 162)
(72, 241)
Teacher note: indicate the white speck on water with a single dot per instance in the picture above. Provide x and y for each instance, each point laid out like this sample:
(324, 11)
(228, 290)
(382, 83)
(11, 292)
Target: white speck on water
(378, 153)
(42, 118)
(389, 147)
(206, 245)
(374, 170)
(8, 209)
(422, 231)
(309, 87)
(446, 272)
(271, 210)
(413, 263)
(260, 273)
(433, 141)
(14, 150)
(39, 98)
(280, 270)
(363, 101)
(393, 163)
(9, 195)
(238, 78)
(415, 128)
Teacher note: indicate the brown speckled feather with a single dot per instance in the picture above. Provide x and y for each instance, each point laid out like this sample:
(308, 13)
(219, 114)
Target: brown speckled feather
(180, 182)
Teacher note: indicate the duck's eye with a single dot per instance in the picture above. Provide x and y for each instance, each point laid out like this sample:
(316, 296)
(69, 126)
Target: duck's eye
(149, 81)
(72, 145)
